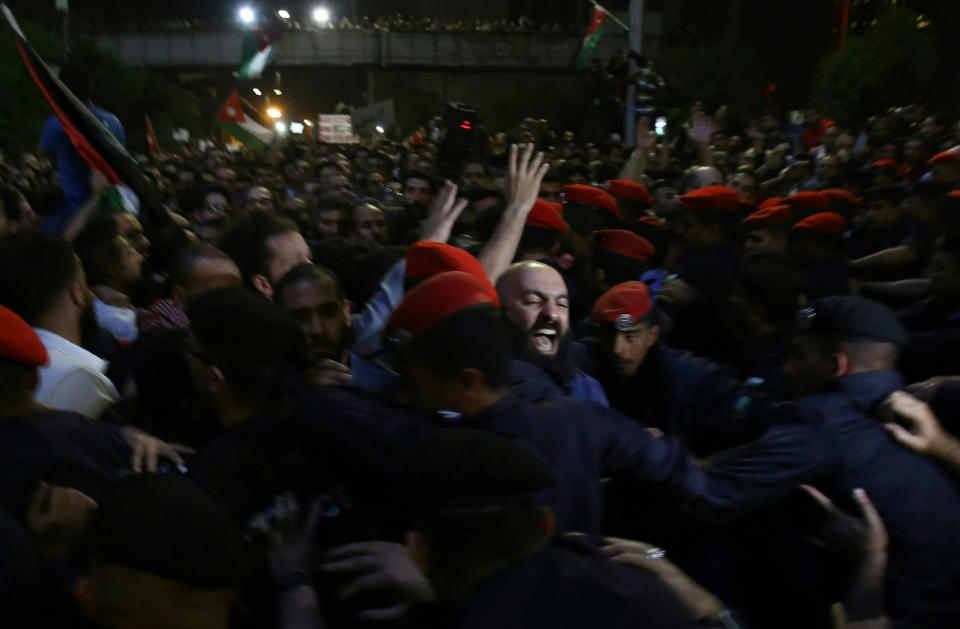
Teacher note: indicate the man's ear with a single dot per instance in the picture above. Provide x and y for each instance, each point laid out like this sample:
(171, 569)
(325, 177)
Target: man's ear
(346, 313)
(263, 285)
(78, 295)
(653, 335)
(470, 378)
(841, 364)
(87, 594)
(419, 551)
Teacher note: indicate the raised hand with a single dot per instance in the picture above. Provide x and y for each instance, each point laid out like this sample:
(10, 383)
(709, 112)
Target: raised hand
(444, 212)
(526, 173)
(702, 127)
(915, 425)
(148, 450)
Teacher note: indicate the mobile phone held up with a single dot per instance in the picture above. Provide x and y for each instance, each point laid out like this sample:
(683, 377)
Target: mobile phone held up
(660, 126)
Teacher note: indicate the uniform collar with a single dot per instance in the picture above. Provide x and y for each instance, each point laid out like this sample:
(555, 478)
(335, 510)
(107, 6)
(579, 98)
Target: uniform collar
(869, 387)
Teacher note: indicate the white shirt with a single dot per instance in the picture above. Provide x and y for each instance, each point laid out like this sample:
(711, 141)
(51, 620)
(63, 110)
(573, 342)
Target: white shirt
(74, 379)
(117, 320)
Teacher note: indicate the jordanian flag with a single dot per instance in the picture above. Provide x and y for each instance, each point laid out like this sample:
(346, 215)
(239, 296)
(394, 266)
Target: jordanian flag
(93, 142)
(243, 127)
(152, 144)
(259, 49)
(592, 37)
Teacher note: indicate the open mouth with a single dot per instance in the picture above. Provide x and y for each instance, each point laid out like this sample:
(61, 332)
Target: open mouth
(545, 340)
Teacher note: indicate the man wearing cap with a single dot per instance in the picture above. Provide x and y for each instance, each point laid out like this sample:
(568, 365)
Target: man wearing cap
(945, 167)
(589, 208)
(843, 367)
(43, 281)
(698, 299)
(542, 233)
(817, 245)
(661, 387)
(617, 256)
(768, 228)
(633, 198)
(484, 538)
(164, 555)
(536, 315)
(454, 364)
(888, 245)
(803, 204)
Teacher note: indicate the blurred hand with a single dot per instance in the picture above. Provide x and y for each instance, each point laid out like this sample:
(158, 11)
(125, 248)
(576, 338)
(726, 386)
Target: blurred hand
(926, 390)
(915, 425)
(380, 567)
(328, 373)
(58, 518)
(679, 293)
(702, 128)
(526, 173)
(98, 183)
(839, 616)
(864, 536)
(697, 600)
(646, 139)
(443, 213)
(148, 450)
(292, 546)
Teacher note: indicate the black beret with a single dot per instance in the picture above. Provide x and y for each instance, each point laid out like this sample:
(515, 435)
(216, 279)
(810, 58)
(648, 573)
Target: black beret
(167, 526)
(771, 271)
(465, 467)
(241, 326)
(852, 319)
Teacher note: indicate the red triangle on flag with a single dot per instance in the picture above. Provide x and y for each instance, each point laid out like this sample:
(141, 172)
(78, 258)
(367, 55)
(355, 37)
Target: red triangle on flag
(232, 110)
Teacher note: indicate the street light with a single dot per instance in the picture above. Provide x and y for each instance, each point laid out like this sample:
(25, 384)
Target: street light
(309, 123)
(280, 126)
(274, 113)
(247, 16)
(278, 92)
(257, 91)
(283, 13)
(379, 129)
(321, 15)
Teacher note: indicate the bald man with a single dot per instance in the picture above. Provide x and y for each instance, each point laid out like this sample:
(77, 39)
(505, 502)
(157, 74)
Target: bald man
(536, 312)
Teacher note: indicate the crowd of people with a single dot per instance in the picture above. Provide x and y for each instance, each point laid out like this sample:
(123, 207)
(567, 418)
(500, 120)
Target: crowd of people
(706, 381)
(395, 23)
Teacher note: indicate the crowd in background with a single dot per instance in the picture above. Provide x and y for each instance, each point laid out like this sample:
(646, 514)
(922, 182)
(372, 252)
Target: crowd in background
(384, 382)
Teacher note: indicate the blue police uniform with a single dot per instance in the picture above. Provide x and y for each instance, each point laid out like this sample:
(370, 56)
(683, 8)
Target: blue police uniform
(934, 345)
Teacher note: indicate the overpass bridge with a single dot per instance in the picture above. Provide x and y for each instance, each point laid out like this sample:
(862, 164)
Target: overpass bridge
(376, 49)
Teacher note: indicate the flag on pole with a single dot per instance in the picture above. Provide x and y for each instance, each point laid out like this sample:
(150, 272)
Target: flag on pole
(152, 144)
(93, 142)
(259, 49)
(242, 126)
(592, 37)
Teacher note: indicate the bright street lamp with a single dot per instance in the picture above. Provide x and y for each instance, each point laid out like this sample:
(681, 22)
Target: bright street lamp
(257, 91)
(280, 126)
(278, 92)
(283, 13)
(247, 16)
(274, 113)
(321, 15)
(379, 129)
(309, 123)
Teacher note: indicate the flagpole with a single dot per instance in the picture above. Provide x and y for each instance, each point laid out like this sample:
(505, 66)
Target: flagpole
(597, 5)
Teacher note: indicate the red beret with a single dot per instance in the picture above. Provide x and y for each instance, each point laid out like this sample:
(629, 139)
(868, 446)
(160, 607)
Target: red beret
(624, 305)
(808, 199)
(769, 217)
(591, 195)
(771, 202)
(426, 259)
(18, 342)
(748, 206)
(625, 243)
(649, 220)
(889, 164)
(826, 223)
(547, 215)
(839, 194)
(711, 199)
(947, 157)
(437, 298)
(953, 194)
(630, 191)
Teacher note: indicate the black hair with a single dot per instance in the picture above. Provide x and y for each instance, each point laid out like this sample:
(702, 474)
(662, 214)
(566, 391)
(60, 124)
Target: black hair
(10, 200)
(553, 176)
(586, 219)
(471, 339)
(305, 272)
(186, 258)
(16, 382)
(485, 191)
(34, 273)
(538, 239)
(245, 241)
(417, 174)
(96, 246)
(617, 268)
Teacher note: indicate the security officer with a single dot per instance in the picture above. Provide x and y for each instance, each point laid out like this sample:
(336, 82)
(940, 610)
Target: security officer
(768, 228)
(672, 390)
(485, 543)
(817, 244)
(831, 437)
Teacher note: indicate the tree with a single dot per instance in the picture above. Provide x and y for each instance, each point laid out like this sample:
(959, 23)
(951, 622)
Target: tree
(892, 63)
